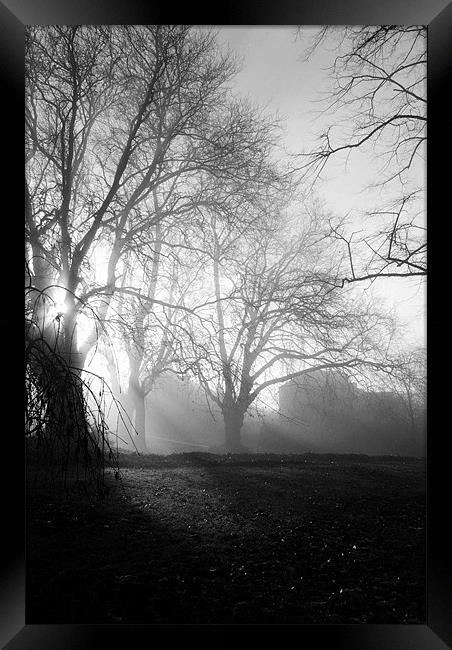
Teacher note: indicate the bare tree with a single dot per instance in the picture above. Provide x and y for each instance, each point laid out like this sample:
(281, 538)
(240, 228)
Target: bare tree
(281, 318)
(378, 102)
(408, 381)
(165, 261)
(149, 312)
(113, 115)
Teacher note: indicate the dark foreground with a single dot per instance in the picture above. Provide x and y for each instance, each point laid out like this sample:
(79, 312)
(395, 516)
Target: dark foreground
(197, 538)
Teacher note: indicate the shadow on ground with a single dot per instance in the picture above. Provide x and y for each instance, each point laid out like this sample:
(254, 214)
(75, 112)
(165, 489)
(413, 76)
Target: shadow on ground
(197, 538)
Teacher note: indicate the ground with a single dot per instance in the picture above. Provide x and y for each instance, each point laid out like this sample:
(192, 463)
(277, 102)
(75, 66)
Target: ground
(200, 538)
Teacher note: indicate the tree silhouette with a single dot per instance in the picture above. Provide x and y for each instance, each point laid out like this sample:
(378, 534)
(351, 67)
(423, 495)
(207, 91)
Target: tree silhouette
(378, 103)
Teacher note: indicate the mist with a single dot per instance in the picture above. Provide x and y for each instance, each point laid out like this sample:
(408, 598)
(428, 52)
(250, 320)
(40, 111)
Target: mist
(225, 368)
(313, 415)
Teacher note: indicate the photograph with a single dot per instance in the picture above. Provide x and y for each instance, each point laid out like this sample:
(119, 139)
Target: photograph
(227, 333)
(225, 324)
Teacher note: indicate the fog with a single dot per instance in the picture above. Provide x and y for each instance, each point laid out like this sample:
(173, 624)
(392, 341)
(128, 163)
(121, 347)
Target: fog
(309, 417)
(225, 356)
(232, 225)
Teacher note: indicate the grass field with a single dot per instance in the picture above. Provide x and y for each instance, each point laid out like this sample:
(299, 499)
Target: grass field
(200, 538)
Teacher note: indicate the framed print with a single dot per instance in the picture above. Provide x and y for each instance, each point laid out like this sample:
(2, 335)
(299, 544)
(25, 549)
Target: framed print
(244, 406)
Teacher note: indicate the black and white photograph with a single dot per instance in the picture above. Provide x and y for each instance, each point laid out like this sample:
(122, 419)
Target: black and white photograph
(225, 324)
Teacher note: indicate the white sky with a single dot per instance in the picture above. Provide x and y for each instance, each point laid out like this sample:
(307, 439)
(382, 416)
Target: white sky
(273, 75)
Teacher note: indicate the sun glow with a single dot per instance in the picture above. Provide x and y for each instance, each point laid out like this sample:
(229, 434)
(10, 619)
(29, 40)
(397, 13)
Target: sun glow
(58, 309)
(55, 305)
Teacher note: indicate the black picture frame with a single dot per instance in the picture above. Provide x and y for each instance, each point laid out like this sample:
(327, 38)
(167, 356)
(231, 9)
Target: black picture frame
(437, 634)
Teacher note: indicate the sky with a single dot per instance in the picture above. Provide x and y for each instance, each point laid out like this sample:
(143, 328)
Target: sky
(274, 75)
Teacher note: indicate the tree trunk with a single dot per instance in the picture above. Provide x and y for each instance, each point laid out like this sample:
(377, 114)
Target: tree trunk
(233, 422)
(69, 342)
(139, 408)
(120, 412)
(121, 425)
